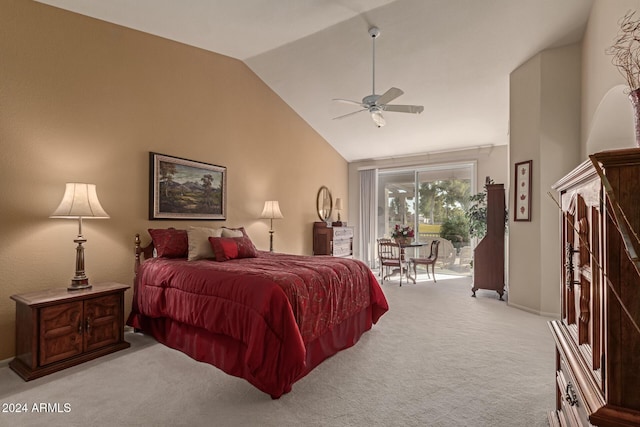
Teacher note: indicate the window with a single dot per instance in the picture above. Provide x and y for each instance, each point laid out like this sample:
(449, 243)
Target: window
(432, 199)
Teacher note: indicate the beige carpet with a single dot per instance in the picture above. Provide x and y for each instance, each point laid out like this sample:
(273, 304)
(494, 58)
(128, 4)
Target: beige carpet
(438, 358)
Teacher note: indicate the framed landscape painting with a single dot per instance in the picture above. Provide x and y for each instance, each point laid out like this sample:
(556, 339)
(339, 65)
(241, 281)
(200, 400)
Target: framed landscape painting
(186, 189)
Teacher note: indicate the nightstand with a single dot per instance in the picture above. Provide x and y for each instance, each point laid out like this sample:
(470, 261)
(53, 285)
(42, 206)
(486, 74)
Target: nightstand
(57, 328)
(334, 241)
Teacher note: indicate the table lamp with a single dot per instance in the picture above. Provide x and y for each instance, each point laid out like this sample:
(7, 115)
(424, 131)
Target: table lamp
(338, 208)
(271, 211)
(79, 201)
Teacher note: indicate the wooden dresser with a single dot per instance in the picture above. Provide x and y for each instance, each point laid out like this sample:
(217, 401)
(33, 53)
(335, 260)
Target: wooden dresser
(335, 241)
(57, 328)
(597, 343)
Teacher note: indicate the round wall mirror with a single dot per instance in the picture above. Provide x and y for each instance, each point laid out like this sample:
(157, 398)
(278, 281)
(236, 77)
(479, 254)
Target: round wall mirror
(324, 204)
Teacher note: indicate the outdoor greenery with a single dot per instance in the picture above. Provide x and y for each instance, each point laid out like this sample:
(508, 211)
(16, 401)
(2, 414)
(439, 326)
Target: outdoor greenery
(476, 215)
(439, 200)
(441, 210)
(456, 229)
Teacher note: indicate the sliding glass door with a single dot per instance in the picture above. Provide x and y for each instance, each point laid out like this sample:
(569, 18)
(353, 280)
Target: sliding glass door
(433, 200)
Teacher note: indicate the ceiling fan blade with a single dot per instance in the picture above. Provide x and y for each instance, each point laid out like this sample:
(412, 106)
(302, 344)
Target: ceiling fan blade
(348, 101)
(414, 109)
(389, 95)
(350, 114)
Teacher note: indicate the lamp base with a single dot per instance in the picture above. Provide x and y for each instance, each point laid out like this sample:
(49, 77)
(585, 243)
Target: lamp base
(78, 284)
(80, 279)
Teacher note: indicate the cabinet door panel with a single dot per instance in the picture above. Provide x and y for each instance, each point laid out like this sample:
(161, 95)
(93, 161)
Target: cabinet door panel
(102, 326)
(61, 332)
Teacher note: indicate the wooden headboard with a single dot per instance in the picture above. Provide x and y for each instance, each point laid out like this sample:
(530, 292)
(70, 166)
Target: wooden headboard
(146, 251)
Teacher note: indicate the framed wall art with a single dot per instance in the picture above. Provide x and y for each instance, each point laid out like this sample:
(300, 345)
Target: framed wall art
(522, 190)
(186, 189)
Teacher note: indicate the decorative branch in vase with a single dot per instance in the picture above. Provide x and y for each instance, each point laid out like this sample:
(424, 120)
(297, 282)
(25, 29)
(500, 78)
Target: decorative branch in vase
(626, 57)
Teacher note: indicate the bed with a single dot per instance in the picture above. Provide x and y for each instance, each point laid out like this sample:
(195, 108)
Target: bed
(269, 318)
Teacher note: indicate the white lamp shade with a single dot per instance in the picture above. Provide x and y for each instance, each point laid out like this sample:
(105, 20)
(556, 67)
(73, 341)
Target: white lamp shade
(271, 210)
(79, 201)
(338, 204)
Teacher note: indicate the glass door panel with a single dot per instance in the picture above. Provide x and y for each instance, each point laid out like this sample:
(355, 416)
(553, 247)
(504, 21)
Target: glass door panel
(443, 199)
(433, 200)
(396, 200)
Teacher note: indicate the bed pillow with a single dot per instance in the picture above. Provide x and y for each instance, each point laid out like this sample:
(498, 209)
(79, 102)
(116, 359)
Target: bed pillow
(199, 246)
(234, 232)
(238, 232)
(227, 248)
(170, 242)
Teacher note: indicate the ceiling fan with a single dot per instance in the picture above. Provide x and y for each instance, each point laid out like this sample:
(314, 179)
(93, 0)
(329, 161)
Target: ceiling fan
(376, 104)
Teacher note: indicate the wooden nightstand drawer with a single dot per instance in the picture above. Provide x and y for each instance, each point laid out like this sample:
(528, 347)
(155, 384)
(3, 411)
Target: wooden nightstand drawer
(57, 328)
(341, 248)
(342, 233)
(571, 404)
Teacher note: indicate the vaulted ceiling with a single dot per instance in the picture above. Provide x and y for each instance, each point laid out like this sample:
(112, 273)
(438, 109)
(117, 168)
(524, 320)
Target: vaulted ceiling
(453, 57)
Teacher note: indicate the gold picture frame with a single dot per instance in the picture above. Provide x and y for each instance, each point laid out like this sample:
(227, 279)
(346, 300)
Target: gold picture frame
(186, 189)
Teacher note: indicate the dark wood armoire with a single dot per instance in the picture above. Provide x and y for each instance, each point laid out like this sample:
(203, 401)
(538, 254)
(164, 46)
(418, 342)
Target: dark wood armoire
(488, 256)
(597, 337)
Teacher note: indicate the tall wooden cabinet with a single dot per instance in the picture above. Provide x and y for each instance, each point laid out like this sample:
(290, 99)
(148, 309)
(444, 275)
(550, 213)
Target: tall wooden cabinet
(488, 256)
(597, 343)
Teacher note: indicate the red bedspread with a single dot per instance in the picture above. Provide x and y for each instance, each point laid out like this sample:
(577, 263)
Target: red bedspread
(257, 318)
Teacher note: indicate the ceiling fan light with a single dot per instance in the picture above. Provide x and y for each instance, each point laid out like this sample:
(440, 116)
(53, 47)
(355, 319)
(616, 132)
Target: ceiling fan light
(377, 118)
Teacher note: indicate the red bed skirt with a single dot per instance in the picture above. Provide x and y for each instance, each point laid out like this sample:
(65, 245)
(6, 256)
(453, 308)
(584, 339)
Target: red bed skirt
(228, 354)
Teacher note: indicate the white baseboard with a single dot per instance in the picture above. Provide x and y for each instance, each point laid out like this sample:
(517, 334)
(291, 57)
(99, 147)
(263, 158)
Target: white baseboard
(538, 312)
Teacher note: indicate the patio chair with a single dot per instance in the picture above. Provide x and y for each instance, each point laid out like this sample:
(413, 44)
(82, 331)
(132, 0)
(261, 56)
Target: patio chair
(391, 259)
(428, 261)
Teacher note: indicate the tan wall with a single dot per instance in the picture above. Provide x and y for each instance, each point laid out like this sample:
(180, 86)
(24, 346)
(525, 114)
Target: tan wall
(605, 123)
(524, 245)
(558, 142)
(545, 128)
(84, 100)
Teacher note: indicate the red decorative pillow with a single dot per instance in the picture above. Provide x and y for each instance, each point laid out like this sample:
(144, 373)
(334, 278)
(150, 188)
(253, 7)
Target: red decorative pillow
(170, 242)
(227, 248)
